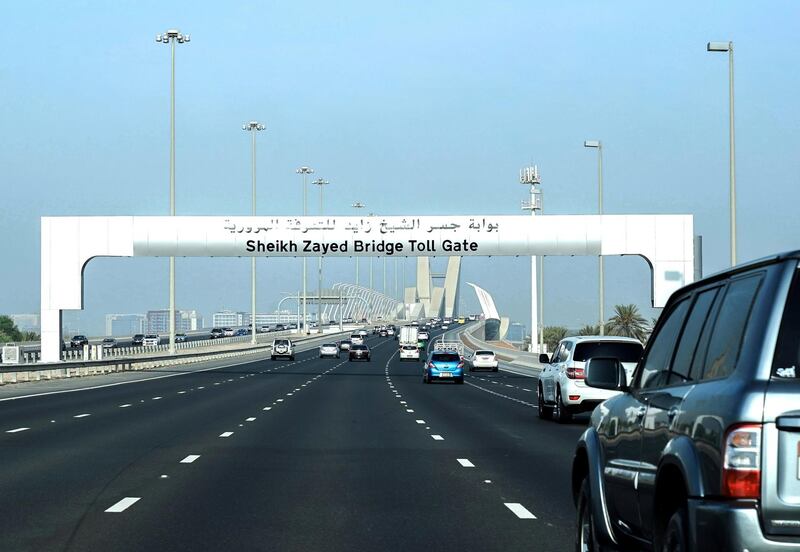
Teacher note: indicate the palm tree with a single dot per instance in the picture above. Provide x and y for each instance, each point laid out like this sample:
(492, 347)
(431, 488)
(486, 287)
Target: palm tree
(627, 322)
(552, 335)
(589, 329)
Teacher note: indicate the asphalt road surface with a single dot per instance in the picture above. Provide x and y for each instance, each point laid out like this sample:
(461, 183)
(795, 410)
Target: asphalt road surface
(315, 454)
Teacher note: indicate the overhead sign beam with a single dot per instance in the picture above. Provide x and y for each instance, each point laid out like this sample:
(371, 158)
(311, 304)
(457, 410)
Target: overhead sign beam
(68, 243)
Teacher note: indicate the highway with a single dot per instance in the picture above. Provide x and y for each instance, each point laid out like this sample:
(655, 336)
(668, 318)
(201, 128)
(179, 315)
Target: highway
(315, 454)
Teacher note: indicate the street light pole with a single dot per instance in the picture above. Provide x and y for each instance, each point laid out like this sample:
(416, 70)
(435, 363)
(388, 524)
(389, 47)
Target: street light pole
(728, 47)
(599, 145)
(370, 265)
(357, 205)
(253, 127)
(321, 183)
(171, 37)
(305, 171)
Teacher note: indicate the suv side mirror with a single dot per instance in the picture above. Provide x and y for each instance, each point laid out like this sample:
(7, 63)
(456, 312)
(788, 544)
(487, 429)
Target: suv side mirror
(606, 373)
(544, 359)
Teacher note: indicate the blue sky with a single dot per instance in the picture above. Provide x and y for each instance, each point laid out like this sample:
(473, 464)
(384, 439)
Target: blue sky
(417, 108)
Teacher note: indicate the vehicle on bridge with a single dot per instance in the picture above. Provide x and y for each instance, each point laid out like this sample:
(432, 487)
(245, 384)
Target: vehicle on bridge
(701, 450)
(409, 352)
(137, 340)
(356, 339)
(217, 333)
(109, 343)
(78, 341)
(444, 364)
(181, 338)
(282, 348)
(483, 360)
(359, 352)
(151, 340)
(562, 390)
(345, 344)
(329, 350)
(228, 332)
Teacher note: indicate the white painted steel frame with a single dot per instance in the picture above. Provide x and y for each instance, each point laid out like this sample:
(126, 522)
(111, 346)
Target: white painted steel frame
(68, 243)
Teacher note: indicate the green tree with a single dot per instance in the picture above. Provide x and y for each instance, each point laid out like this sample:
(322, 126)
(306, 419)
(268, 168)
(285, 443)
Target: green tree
(552, 335)
(589, 329)
(9, 330)
(628, 322)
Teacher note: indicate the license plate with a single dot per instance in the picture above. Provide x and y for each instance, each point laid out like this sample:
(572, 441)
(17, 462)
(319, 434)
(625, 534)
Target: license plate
(445, 375)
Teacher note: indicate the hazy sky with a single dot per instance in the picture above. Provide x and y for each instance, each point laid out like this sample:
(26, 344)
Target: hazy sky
(411, 108)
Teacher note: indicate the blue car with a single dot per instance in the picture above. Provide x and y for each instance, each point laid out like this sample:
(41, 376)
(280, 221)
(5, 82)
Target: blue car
(446, 365)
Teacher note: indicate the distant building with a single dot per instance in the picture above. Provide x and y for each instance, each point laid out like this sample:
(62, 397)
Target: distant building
(125, 324)
(227, 318)
(26, 322)
(185, 321)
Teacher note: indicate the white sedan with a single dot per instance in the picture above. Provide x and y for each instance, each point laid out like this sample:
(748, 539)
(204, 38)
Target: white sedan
(486, 360)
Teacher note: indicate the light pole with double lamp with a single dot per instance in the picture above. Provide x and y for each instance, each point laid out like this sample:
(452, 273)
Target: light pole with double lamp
(321, 183)
(253, 127)
(357, 205)
(728, 47)
(305, 171)
(171, 37)
(599, 145)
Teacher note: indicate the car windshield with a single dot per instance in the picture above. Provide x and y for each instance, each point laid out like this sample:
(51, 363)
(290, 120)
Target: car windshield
(625, 352)
(151, 336)
(445, 357)
(409, 348)
(329, 345)
(484, 353)
(359, 347)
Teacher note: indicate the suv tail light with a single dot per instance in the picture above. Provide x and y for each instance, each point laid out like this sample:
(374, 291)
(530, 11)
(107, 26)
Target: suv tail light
(741, 472)
(575, 373)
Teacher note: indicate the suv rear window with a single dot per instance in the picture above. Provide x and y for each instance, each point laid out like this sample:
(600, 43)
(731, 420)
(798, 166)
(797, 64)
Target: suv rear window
(625, 352)
(484, 353)
(281, 342)
(446, 357)
(787, 349)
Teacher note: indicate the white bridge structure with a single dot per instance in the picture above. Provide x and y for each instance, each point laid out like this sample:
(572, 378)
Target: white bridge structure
(69, 243)
(373, 305)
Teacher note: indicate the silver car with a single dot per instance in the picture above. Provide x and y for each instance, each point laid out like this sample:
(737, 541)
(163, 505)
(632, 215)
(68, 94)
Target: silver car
(329, 350)
(701, 451)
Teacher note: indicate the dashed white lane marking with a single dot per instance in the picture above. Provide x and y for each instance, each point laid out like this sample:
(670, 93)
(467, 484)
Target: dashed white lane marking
(280, 400)
(521, 511)
(409, 410)
(528, 390)
(201, 387)
(126, 405)
(157, 398)
(267, 408)
(420, 421)
(189, 459)
(532, 405)
(124, 504)
(403, 402)
(466, 463)
(181, 392)
(437, 437)
(18, 430)
(226, 434)
(81, 415)
(289, 394)
(507, 385)
(250, 419)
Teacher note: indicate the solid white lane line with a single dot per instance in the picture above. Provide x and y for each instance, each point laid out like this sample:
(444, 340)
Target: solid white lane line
(437, 437)
(267, 408)
(189, 459)
(420, 421)
(466, 463)
(521, 511)
(124, 504)
(250, 419)
(226, 434)
(81, 415)
(18, 430)
(124, 405)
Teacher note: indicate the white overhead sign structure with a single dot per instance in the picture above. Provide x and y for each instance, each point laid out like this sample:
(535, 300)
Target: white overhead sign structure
(68, 243)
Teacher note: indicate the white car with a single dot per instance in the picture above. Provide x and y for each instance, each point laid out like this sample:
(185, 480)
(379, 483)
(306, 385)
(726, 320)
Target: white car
(409, 352)
(228, 332)
(390, 331)
(282, 348)
(362, 333)
(329, 350)
(356, 339)
(445, 326)
(151, 340)
(483, 360)
(562, 391)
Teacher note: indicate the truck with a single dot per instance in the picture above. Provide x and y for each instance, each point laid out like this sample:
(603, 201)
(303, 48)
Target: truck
(409, 349)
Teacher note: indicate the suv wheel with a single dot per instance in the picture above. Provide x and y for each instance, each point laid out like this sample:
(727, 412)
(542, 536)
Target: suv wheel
(545, 412)
(585, 540)
(674, 538)
(561, 413)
